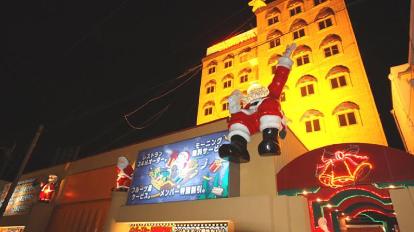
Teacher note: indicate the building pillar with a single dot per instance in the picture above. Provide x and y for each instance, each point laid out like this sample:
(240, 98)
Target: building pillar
(39, 217)
(403, 202)
(291, 214)
(118, 200)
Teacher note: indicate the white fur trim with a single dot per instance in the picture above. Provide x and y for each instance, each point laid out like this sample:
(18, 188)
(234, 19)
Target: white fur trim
(285, 62)
(239, 129)
(270, 121)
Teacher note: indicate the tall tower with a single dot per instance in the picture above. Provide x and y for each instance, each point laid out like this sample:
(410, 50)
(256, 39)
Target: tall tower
(327, 98)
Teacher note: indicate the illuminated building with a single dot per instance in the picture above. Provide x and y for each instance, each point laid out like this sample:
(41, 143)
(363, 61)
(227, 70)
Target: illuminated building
(402, 88)
(327, 98)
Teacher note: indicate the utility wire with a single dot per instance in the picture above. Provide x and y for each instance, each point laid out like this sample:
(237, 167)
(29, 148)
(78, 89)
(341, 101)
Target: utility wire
(196, 69)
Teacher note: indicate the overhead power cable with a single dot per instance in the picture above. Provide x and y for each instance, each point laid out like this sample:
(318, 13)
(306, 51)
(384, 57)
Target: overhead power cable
(195, 71)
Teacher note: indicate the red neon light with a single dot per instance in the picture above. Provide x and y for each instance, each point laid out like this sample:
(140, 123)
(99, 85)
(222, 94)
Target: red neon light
(342, 168)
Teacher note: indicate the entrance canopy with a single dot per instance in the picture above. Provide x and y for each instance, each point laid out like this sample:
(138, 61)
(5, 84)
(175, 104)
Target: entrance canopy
(347, 164)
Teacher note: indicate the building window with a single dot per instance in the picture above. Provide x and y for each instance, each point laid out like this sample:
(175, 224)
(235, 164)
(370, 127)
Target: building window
(283, 97)
(244, 57)
(274, 69)
(227, 84)
(338, 82)
(325, 23)
(272, 20)
(301, 60)
(210, 89)
(212, 70)
(312, 125)
(307, 90)
(317, 2)
(299, 33)
(225, 106)
(208, 111)
(244, 78)
(295, 10)
(274, 42)
(330, 51)
(228, 64)
(347, 119)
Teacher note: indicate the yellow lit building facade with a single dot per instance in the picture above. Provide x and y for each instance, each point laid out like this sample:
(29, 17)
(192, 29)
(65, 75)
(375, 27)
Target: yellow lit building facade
(402, 89)
(327, 98)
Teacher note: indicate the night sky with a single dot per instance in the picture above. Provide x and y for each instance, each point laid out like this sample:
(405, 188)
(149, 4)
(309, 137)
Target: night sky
(78, 66)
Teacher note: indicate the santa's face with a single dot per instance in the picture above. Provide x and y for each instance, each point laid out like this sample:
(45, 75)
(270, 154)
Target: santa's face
(122, 162)
(52, 179)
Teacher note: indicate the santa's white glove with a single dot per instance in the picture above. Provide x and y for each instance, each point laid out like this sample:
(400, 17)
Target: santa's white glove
(285, 60)
(235, 101)
(289, 49)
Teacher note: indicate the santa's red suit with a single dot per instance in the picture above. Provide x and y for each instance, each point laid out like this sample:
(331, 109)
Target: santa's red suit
(46, 192)
(262, 113)
(124, 171)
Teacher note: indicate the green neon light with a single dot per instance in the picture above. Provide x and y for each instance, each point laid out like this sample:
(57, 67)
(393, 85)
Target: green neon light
(318, 206)
(339, 198)
(398, 184)
(384, 224)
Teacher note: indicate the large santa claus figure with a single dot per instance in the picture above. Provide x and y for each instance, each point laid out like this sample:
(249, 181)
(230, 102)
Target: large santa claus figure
(124, 171)
(48, 189)
(262, 112)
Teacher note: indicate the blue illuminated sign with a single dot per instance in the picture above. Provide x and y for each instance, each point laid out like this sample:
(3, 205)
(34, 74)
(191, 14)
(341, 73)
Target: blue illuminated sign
(183, 171)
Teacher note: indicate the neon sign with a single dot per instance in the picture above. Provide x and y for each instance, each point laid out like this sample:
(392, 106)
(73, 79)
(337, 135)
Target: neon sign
(342, 168)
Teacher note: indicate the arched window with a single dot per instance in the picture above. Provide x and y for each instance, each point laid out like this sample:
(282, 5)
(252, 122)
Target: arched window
(338, 77)
(347, 113)
(283, 94)
(325, 18)
(227, 81)
(272, 16)
(331, 45)
(298, 28)
(208, 108)
(273, 62)
(274, 38)
(244, 75)
(307, 85)
(228, 61)
(224, 104)
(317, 2)
(302, 55)
(212, 67)
(295, 7)
(244, 54)
(312, 119)
(210, 87)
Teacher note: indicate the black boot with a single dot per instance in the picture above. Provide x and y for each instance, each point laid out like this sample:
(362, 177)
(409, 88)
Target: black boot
(236, 150)
(270, 144)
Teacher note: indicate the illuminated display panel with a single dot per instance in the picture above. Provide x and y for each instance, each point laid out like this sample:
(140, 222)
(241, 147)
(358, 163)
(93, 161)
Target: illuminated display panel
(181, 227)
(183, 171)
(22, 199)
(12, 229)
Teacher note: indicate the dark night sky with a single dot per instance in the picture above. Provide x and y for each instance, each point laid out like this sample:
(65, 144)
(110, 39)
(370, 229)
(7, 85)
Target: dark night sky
(77, 66)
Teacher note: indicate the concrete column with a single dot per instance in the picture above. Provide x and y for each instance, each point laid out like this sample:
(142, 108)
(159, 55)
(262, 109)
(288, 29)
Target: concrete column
(403, 202)
(118, 200)
(291, 214)
(39, 217)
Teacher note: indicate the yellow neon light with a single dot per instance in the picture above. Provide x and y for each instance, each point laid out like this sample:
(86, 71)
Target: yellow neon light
(343, 169)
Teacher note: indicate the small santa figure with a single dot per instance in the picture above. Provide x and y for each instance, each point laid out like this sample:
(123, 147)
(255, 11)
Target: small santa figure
(125, 172)
(47, 189)
(262, 112)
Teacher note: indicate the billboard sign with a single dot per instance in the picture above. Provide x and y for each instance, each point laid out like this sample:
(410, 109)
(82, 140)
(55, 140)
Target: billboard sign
(182, 171)
(23, 197)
